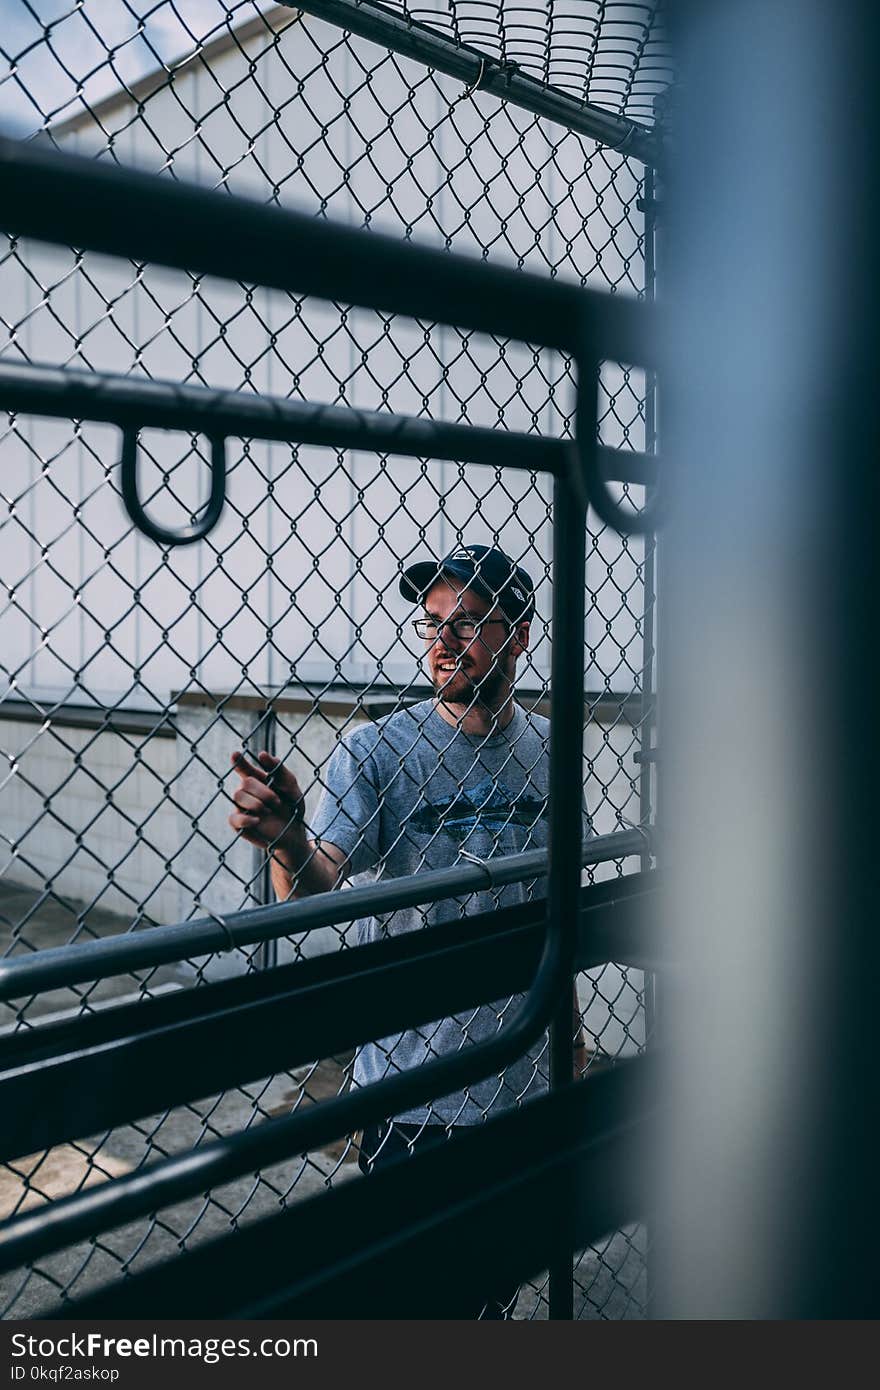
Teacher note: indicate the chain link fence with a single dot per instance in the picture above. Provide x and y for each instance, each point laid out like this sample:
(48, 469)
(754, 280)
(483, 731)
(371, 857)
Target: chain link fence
(132, 672)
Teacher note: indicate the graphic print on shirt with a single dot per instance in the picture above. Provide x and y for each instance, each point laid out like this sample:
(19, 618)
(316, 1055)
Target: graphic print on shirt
(488, 805)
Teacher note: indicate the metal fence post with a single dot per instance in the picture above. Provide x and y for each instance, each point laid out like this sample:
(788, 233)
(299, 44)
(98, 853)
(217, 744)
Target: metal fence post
(767, 1173)
(268, 952)
(569, 531)
(649, 771)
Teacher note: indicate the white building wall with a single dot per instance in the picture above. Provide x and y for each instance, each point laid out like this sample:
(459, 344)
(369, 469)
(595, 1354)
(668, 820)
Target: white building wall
(111, 317)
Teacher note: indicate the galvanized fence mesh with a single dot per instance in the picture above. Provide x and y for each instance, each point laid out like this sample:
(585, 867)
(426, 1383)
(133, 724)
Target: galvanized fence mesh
(134, 671)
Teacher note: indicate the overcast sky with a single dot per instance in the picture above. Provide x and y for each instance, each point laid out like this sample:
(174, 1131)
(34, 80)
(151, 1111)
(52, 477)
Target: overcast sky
(48, 48)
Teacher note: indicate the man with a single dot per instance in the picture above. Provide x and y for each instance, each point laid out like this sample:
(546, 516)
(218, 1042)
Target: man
(462, 776)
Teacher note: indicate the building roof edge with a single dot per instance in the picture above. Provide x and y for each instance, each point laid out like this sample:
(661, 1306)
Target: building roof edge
(152, 82)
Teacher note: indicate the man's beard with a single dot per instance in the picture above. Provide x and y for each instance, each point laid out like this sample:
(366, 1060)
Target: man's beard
(459, 689)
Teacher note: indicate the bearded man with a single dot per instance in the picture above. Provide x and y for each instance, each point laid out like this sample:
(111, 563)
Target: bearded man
(458, 777)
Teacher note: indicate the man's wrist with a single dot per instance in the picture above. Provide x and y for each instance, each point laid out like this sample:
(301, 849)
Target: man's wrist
(281, 860)
(291, 856)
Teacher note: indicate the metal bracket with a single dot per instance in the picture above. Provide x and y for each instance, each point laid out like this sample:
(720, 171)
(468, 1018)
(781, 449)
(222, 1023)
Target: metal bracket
(587, 456)
(163, 535)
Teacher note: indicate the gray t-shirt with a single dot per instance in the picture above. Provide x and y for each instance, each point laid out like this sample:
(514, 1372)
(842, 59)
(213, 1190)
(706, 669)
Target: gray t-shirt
(412, 793)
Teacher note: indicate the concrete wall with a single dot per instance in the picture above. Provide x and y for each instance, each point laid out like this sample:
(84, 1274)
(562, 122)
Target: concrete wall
(138, 825)
(51, 801)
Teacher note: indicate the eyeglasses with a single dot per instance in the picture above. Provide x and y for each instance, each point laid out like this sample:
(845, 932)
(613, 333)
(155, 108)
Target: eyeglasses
(464, 629)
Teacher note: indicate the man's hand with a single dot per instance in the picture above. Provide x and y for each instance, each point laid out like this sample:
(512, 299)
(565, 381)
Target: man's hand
(269, 813)
(581, 1056)
(269, 808)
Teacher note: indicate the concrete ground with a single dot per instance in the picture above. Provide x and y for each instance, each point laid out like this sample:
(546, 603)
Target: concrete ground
(609, 1281)
(29, 921)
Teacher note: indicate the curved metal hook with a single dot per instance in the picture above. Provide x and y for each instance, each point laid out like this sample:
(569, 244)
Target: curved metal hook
(586, 458)
(162, 535)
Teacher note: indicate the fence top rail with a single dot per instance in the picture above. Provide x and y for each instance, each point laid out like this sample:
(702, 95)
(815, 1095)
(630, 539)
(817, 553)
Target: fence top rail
(71, 394)
(21, 976)
(41, 389)
(482, 72)
(75, 201)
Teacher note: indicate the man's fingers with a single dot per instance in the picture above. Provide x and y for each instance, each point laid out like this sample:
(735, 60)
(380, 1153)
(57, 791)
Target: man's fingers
(252, 795)
(245, 768)
(259, 791)
(272, 773)
(282, 780)
(254, 805)
(248, 827)
(279, 776)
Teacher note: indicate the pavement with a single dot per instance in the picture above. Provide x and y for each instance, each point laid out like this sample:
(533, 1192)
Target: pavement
(30, 920)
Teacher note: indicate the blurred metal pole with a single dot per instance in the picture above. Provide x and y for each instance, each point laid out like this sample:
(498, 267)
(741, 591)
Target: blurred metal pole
(560, 1282)
(647, 766)
(567, 692)
(649, 771)
(766, 1185)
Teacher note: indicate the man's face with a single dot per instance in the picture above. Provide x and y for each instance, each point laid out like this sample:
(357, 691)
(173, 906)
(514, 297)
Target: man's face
(474, 665)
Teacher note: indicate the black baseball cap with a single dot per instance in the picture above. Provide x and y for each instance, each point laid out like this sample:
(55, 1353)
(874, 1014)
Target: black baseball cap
(490, 572)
